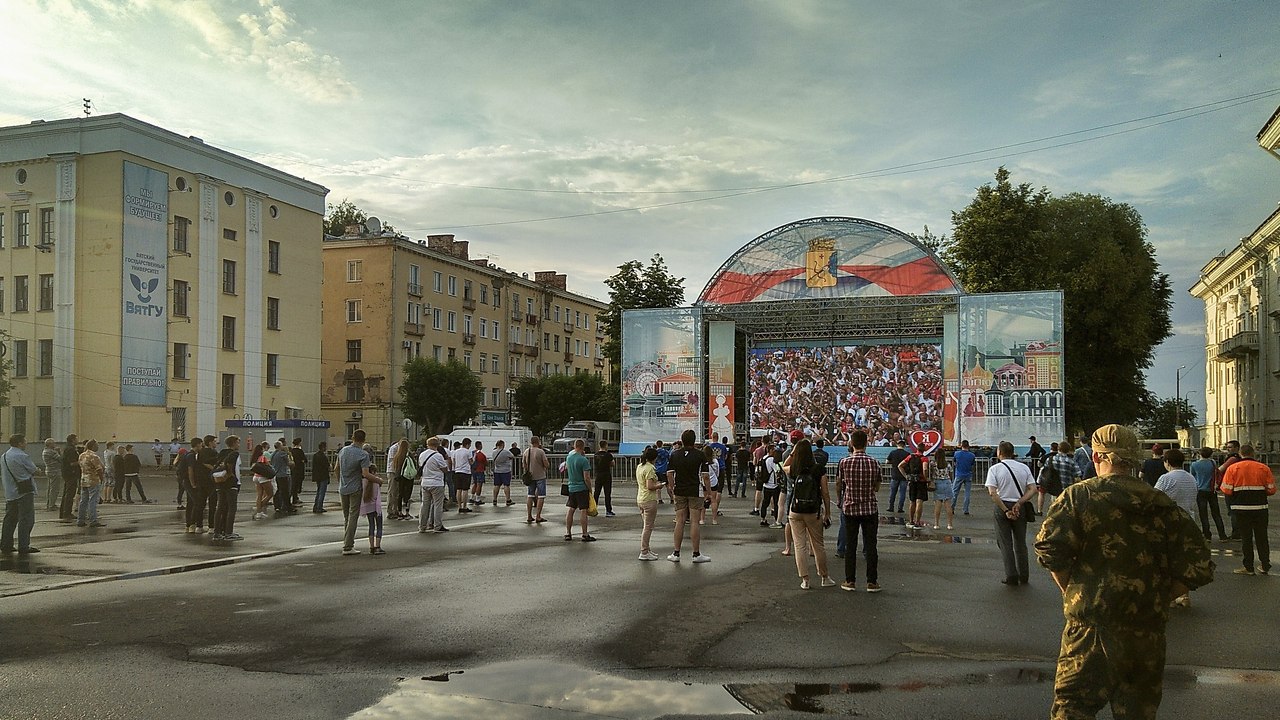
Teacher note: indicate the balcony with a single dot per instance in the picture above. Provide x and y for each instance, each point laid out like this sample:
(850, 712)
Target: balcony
(531, 350)
(1237, 346)
(468, 339)
(415, 289)
(599, 362)
(468, 303)
(515, 348)
(568, 328)
(531, 319)
(415, 329)
(599, 333)
(568, 356)
(516, 316)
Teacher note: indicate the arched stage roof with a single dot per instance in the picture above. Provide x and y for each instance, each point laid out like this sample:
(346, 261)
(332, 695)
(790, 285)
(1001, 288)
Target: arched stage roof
(832, 277)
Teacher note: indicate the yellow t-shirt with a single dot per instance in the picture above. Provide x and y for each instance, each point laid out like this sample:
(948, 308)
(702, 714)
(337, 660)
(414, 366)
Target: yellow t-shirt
(645, 474)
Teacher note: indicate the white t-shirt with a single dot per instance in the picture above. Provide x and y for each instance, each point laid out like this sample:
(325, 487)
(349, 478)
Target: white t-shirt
(773, 468)
(434, 467)
(462, 458)
(503, 461)
(1001, 476)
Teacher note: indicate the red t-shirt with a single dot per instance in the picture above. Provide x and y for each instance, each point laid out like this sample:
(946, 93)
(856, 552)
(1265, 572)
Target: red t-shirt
(478, 465)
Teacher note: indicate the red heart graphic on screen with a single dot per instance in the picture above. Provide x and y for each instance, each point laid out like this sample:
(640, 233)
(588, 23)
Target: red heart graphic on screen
(926, 441)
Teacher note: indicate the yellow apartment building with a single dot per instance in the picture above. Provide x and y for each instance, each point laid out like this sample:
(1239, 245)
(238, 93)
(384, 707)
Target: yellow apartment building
(152, 285)
(388, 299)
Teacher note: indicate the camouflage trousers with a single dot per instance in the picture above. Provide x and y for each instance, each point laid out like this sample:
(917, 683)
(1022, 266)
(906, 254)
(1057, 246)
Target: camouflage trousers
(1100, 665)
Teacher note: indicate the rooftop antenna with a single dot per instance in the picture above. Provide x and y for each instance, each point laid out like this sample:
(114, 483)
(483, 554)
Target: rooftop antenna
(87, 104)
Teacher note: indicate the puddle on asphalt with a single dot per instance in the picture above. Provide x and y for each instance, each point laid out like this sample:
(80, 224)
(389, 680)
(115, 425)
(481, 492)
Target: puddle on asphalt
(808, 697)
(35, 567)
(533, 690)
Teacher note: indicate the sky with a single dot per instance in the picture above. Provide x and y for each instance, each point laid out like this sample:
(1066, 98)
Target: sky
(576, 136)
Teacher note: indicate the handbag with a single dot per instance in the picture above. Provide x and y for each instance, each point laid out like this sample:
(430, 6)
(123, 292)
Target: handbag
(25, 487)
(263, 469)
(564, 488)
(526, 477)
(1026, 511)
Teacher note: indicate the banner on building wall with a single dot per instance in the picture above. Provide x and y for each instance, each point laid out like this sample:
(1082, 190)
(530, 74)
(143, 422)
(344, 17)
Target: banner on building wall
(1011, 368)
(720, 369)
(144, 317)
(951, 378)
(662, 375)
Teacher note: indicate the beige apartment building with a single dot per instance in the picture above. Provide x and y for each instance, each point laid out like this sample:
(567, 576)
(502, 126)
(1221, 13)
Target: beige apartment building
(388, 299)
(1241, 293)
(152, 285)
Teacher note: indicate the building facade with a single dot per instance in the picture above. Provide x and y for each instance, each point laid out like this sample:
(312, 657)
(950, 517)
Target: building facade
(389, 299)
(153, 285)
(1241, 294)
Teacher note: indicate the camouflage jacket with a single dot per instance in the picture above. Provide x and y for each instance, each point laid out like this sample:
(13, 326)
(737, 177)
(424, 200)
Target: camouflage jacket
(1124, 545)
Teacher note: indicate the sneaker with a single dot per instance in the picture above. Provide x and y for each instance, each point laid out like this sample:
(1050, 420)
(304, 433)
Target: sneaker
(1264, 570)
(610, 514)
(755, 512)
(673, 557)
(873, 587)
(804, 583)
(588, 538)
(217, 537)
(701, 559)
(191, 529)
(649, 556)
(848, 586)
(828, 582)
(950, 527)
(778, 526)
(200, 530)
(1243, 571)
(442, 529)
(936, 527)
(422, 531)
(377, 551)
(233, 536)
(764, 523)
(28, 550)
(350, 551)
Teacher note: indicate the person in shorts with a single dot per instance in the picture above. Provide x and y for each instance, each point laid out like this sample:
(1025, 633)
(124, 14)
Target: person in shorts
(535, 462)
(686, 479)
(578, 470)
(479, 463)
(914, 470)
(944, 491)
(503, 465)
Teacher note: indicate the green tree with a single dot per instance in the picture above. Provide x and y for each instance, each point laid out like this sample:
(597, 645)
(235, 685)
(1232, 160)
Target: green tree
(546, 404)
(439, 395)
(633, 287)
(1164, 416)
(936, 243)
(345, 213)
(1116, 302)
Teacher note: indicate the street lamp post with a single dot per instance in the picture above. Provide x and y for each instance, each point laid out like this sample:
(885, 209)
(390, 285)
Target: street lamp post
(1177, 396)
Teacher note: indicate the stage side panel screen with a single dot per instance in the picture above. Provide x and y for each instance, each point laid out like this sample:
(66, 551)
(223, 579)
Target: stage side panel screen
(720, 369)
(662, 376)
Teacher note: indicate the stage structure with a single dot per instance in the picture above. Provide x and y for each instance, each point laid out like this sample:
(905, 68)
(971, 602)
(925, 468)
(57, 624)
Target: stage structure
(848, 324)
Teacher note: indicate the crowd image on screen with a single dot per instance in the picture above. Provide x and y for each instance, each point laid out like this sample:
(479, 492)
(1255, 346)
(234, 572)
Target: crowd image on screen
(886, 390)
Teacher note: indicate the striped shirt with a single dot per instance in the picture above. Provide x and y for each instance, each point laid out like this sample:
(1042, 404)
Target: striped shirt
(858, 475)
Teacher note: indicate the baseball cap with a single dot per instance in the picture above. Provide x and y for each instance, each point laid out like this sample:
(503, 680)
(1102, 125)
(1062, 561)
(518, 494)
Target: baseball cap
(1157, 448)
(796, 436)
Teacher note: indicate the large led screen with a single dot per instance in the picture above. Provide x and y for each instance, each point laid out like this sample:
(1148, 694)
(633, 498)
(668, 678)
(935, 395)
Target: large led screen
(887, 390)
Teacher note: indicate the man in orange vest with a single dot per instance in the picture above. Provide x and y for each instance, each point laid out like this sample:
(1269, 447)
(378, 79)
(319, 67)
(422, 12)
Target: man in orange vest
(1247, 483)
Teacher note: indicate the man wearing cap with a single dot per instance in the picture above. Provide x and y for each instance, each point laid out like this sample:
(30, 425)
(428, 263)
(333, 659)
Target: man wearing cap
(1120, 552)
(1153, 468)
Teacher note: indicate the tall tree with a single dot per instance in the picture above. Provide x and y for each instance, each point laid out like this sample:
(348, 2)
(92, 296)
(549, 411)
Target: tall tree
(347, 213)
(1163, 417)
(546, 404)
(439, 395)
(1115, 299)
(633, 287)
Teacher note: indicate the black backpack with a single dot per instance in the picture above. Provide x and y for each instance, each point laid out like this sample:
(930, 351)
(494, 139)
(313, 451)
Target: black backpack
(1051, 479)
(806, 493)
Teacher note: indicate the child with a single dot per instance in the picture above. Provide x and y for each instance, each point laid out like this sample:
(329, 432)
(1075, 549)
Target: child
(371, 508)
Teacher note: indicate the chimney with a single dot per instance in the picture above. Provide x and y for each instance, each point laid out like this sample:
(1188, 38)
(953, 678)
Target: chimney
(460, 249)
(443, 243)
(352, 230)
(561, 281)
(551, 278)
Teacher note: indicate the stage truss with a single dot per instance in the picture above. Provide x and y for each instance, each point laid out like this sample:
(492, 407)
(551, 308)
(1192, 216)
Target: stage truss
(783, 321)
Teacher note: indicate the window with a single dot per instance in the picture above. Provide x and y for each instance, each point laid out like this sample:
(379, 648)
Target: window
(273, 257)
(453, 321)
(484, 362)
(497, 297)
(44, 421)
(20, 419)
(515, 302)
(435, 318)
(228, 234)
(228, 390)
(181, 234)
(493, 397)
(46, 231)
(22, 228)
(229, 277)
(557, 344)
(355, 391)
(557, 313)
(415, 280)
(181, 291)
(466, 358)
(1, 294)
(453, 286)
(46, 292)
(546, 341)
(355, 270)
(435, 352)
(484, 328)
(273, 369)
(437, 281)
(180, 361)
(466, 324)
(46, 358)
(19, 358)
(413, 314)
(353, 351)
(273, 313)
(353, 311)
(577, 318)
(2, 231)
(529, 303)
(466, 290)
(484, 294)
(21, 284)
(228, 332)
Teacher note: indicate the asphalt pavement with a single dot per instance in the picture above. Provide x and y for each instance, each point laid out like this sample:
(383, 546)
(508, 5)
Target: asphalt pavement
(141, 620)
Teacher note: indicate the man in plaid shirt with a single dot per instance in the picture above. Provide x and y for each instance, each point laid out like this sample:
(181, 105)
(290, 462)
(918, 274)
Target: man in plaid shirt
(1066, 471)
(859, 478)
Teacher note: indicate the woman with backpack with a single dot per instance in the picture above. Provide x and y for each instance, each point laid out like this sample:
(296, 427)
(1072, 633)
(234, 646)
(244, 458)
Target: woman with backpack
(809, 498)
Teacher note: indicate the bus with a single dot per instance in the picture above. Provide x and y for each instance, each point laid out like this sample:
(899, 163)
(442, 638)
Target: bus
(591, 431)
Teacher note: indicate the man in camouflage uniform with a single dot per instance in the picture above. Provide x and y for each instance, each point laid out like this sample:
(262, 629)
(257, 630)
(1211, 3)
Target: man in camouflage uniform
(1120, 551)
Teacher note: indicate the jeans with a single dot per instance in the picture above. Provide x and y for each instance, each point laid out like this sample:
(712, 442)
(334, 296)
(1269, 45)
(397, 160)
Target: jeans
(182, 490)
(350, 519)
(606, 484)
(770, 496)
(740, 485)
(1206, 502)
(1253, 531)
(841, 538)
(225, 521)
(1011, 538)
(431, 514)
(375, 526)
(321, 488)
(868, 526)
(965, 481)
(130, 482)
(19, 515)
(897, 484)
(88, 509)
